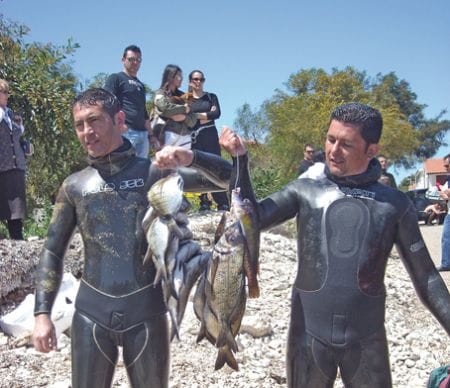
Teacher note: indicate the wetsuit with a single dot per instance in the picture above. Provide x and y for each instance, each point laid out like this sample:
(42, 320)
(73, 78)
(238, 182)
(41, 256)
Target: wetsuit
(117, 304)
(346, 228)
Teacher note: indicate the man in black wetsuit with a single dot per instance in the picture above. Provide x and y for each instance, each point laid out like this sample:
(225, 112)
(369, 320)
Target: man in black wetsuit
(347, 224)
(117, 303)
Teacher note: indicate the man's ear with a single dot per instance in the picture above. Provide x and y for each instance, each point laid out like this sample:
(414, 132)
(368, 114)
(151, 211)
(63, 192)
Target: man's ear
(119, 119)
(372, 150)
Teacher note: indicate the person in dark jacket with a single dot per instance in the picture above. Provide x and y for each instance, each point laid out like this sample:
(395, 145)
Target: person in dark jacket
(12, 167)
(130, 91)
(207, 109)
(308, 161)
(347, 224)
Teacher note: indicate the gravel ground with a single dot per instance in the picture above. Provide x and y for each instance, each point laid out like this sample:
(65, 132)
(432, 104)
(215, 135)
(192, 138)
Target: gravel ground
(417, 342)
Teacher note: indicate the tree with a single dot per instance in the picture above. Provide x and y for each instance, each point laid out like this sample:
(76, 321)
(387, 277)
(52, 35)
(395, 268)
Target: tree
(300, 115)
(43, 87)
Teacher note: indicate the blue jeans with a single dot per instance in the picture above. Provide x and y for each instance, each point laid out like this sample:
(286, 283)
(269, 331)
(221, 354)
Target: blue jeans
(139, 140)
(445, 261)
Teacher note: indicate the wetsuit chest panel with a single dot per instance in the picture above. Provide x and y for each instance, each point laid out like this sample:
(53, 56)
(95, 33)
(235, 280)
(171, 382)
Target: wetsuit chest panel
(109, 215)
(346, 226)
(339, 313)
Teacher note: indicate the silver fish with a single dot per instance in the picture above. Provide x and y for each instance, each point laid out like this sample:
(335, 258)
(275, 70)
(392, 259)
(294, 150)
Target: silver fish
(158, 236)
(166, 195)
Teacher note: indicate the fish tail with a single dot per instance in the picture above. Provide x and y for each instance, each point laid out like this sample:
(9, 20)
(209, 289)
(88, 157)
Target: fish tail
(226, 356)
(202, 333)
(225, 338)
(174, 328)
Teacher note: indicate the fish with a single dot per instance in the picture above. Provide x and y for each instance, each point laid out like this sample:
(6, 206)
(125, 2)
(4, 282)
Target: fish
(166, 195)
(245, 212)
(158, 238)
(220, 298)
(192, 270)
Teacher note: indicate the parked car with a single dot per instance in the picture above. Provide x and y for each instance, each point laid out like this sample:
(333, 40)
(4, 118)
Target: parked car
(421, 198)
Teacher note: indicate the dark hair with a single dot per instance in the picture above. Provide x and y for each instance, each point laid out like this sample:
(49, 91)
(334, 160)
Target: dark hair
(368, 120)
(98, 96)
(131, 47)
(306, 146)
(319, 156)
(446, 157)
(195, 71)
(168, 75)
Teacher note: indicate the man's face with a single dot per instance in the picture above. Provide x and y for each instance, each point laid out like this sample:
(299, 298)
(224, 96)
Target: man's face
(4, 99)
(447, 165)
(346, 151)
(383, 162)
(132, 62)
(308, 153)
(98, 133)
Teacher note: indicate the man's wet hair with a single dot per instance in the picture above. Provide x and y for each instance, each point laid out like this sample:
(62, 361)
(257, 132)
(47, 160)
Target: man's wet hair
(98, 96)
(368, 120)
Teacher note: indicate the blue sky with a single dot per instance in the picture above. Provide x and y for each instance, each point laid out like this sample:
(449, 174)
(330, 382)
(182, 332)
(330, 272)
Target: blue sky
(249, 48)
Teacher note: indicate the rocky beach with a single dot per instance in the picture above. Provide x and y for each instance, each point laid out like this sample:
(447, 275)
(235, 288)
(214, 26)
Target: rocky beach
(416, 340)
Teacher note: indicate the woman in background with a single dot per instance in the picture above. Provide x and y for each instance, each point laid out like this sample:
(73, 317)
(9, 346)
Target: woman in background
(175, 112)
(207, 108)
(12, 167)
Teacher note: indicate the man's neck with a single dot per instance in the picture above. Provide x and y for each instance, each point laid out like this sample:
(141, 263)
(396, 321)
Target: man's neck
(129, 74)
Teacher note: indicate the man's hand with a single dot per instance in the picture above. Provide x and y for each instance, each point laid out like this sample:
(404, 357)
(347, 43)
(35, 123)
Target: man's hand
(44, 335)
(173, 157)
(232, 142)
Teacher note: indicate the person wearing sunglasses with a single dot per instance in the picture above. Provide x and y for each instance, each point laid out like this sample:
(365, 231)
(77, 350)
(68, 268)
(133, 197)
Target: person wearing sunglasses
(307, 162)
(131, 94)
(207, 108)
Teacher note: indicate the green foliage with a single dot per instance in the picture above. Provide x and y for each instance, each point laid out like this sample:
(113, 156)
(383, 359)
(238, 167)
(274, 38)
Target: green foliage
(42, 88)
(300, 115)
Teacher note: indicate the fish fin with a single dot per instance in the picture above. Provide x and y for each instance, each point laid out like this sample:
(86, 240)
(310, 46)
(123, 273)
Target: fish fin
(201, 334)
(174, 326)
(226, 356)
(220, 228)
(213, 269)
(157, 277)
(148, 255)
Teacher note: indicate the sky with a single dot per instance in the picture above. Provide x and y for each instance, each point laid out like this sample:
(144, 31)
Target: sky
(249, 48)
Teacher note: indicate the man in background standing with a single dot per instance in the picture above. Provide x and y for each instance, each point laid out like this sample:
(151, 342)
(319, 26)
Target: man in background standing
(307, 162)
(445, 194)
(131, 94)
(386, 177)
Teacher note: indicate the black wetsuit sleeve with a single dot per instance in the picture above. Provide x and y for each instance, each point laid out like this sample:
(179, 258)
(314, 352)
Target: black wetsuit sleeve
(276, 208)
(50, 268)
(216, 169)
(426, 279)
(207, 173)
